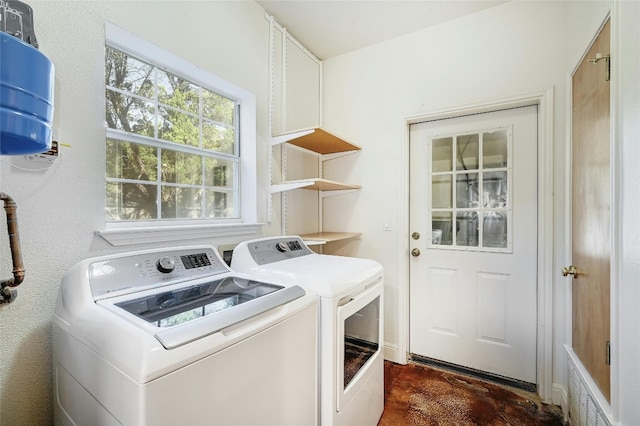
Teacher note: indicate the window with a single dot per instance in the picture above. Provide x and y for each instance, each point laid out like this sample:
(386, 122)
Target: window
(180, 142)
(470, 191)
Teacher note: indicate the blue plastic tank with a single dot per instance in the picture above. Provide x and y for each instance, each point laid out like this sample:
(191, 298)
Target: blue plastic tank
(26, 98)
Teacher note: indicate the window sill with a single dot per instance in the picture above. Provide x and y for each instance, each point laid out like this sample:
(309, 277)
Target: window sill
(160, 234)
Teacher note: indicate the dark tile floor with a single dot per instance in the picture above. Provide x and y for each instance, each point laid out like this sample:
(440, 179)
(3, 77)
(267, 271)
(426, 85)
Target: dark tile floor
(419, 395)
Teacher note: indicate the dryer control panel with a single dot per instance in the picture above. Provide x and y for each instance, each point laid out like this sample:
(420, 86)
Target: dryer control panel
(275, 249)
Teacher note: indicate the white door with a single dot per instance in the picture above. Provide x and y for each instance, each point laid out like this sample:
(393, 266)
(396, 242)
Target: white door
(473, 207)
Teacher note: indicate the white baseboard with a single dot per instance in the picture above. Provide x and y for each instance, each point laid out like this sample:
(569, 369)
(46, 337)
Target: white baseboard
(392, 354)
(560, 397)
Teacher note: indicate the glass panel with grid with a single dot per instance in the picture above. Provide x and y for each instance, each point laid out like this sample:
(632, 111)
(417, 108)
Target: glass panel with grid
(470, 183)
(172, 148)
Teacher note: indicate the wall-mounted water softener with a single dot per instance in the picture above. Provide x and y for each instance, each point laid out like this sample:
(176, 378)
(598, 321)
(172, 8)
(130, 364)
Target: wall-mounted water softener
(26, 84)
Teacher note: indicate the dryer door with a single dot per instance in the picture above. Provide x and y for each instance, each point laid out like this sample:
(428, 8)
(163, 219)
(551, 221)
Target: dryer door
(359, 341)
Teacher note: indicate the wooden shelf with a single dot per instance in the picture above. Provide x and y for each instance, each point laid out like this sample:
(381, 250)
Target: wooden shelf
(329, 147)
(316, 184)
(316, 140)
(329, 237)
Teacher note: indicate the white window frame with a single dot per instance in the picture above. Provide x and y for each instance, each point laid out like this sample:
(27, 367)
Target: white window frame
(137, 232)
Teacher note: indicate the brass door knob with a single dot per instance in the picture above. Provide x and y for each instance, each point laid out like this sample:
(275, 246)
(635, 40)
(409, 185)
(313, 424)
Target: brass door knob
(571, 270)
(415, 252)
(415, 235)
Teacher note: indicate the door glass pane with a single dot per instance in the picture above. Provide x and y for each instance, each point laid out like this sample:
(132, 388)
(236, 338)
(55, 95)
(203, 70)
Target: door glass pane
(467, 152)
(494, 188)
(442, 155)
(467, 229)
(494, 230)
(467, 190)
(361, 339)
(441, 192)
(441, 228)
(494, 149)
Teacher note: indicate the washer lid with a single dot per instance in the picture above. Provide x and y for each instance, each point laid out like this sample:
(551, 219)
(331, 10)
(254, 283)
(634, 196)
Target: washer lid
(176, 316)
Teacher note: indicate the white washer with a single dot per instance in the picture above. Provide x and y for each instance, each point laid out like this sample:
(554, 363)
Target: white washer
(351, 321)
(173, 337)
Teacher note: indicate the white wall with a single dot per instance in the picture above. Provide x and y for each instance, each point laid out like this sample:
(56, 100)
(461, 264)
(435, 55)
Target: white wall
(59, 208)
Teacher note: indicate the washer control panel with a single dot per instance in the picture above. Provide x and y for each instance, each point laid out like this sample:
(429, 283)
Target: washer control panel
(135, 272)
(276, 249)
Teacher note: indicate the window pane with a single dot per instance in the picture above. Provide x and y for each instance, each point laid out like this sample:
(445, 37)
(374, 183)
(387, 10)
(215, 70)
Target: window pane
(441, 230)
(494, 230)
(129, 74)
(218, 138)
(467, 190)
(220, 204)
(494, 149)
(181, 168)
(467, 229)
(218, 108)
(441, 192)
(442, 155)
(494, 187)
(467, 152)
(131, 201)
(126, 160)
(178, 93)
(129, 114)
(181, 203)
(178, 127)
(219, 173)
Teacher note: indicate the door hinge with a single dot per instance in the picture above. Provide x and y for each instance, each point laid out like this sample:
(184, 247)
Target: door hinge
(608, 353)
(607, 69)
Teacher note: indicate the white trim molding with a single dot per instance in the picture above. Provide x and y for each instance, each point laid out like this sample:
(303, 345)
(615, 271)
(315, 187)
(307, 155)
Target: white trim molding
(162, 234)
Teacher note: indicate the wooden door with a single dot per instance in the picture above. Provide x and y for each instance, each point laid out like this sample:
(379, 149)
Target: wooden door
(591, 212)
(473, 273)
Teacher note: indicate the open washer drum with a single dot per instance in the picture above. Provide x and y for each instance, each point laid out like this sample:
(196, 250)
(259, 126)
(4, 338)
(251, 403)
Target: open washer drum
(173, 337)
(351, 371)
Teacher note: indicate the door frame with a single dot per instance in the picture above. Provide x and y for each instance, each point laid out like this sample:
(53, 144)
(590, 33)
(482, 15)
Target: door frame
(544, 101)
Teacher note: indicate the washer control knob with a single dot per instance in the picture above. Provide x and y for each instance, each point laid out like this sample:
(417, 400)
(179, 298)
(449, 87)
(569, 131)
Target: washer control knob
(165, 264)
(282, 246)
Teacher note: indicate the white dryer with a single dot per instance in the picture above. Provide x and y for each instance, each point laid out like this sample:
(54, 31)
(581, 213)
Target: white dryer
(173, 337)
(351, 373)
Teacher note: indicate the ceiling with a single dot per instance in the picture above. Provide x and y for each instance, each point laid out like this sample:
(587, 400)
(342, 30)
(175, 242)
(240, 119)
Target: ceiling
(330, 28)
